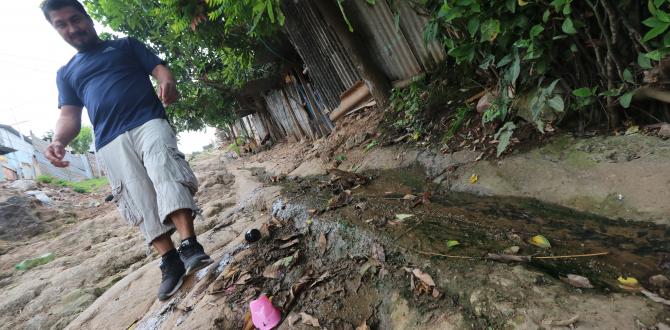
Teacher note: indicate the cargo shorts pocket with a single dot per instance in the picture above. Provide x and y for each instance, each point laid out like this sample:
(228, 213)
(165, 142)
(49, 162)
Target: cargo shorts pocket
(184, 173)
(125, 205)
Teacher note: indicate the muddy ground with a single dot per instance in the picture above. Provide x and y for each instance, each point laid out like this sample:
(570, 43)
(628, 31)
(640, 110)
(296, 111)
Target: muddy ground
(371, 249)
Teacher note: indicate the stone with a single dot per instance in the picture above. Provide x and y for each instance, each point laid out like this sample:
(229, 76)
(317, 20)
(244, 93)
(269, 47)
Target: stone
(41, 196)
(660, 281)
(664, 131)
(23, 185)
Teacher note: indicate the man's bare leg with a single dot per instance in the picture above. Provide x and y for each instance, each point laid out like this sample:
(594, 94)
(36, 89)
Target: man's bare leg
(163, 244)
(183, 221)
(192, 253)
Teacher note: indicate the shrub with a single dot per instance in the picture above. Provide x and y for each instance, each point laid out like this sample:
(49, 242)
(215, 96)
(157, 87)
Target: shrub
(45, 179)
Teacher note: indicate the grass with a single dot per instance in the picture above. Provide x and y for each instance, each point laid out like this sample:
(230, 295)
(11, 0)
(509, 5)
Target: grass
(82, 187)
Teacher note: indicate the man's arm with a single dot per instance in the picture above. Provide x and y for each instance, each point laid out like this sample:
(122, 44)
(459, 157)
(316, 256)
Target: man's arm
(167, 88)
(67, 128)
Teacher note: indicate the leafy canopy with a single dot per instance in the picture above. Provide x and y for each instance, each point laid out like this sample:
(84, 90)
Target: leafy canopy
(82, 143)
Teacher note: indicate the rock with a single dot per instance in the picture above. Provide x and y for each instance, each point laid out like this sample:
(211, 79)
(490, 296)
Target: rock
(17, 221)
(41, 196)
(23, 185)
(664, 131)
(213, 209)
(659, 281)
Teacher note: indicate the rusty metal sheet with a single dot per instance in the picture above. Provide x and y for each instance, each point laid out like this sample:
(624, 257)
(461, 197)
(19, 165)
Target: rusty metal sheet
(388, 45)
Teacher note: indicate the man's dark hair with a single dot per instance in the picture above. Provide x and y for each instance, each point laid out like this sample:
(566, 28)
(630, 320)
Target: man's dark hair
(50, 5)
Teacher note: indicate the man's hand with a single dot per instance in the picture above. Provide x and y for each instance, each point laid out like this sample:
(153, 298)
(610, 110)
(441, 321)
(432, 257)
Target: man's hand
(167, 88)
(167, 92)
(55, 153)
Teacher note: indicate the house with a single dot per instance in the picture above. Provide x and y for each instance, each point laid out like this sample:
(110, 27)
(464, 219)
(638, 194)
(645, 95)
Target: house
(16, 156)
(22, 157)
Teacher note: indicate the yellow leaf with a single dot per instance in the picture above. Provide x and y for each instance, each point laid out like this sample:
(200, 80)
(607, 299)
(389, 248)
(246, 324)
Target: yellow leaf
(451, 243)
(628, 281)
(522, 2)
(474, 178)
(540, 241)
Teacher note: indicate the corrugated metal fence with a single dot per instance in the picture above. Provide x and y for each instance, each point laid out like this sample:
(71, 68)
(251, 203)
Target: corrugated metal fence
(392, 29)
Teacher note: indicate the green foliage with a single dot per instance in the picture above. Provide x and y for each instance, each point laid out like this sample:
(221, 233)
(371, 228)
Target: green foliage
(503, 136)
(341, 158)
(234, 147)
(456, 123)
(209, 46)
(82, 143)
(44, 179)
(371, 145)
(85, 186)
(406, 103)
(514, 46)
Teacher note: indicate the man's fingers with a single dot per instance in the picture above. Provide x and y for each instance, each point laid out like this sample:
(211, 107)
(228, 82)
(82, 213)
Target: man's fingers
(60, 163)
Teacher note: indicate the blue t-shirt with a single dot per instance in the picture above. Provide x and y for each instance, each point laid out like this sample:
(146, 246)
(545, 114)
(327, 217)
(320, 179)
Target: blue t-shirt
(112, 82)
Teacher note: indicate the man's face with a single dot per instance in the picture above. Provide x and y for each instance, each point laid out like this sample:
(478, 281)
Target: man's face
(75, 27)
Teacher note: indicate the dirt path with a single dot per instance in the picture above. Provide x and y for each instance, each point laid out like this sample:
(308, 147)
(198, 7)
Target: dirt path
(355, 263)
(345, 270)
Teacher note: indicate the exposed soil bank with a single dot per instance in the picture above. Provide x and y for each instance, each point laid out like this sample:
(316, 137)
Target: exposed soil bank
(624, 177)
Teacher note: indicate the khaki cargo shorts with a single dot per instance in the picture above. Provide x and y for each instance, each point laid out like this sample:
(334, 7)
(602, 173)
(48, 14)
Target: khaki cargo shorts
(149, 177)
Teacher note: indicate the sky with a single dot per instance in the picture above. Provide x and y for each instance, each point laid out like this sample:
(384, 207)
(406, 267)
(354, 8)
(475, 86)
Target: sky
(30, 54)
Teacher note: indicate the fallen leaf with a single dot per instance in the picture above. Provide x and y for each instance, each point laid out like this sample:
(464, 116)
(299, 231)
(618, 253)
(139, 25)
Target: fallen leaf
(655, 297)
(425, 278)
(309, 320)
(274, 270)
(293, 318)
(243, 279)
(321, 278)
(248, 323)
(402, 217)
(289, 244)
(323, 243)
(628, 283)
(540, 241)
(409, 197)
(577, 281)
(632, 130)
(296, 289)
(451, 243)
(474, 178)
(287, 238)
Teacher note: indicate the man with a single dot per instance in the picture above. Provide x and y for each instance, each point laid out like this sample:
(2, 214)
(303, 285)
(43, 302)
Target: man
(151, 181)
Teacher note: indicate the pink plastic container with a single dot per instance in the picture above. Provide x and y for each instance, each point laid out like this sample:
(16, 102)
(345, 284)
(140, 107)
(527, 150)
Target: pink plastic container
(263, 314)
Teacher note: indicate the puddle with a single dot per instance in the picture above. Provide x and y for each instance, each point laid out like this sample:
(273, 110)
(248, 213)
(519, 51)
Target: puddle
(492, 224)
